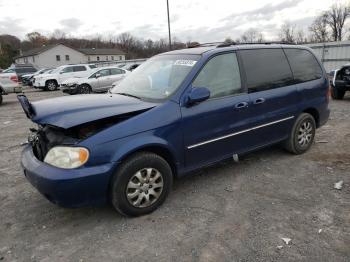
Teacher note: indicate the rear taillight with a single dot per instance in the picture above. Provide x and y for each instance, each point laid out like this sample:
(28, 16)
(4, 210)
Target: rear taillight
(14, 79)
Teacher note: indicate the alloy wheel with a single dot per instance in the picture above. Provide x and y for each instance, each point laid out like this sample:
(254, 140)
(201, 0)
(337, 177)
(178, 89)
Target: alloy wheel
(144, 187)
(305, 133)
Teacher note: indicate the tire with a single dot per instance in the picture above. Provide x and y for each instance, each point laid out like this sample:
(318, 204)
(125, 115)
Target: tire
(51, 85)
(294, 143)
(0, 99)
(84, 89)
(337, 94)
(126, 188)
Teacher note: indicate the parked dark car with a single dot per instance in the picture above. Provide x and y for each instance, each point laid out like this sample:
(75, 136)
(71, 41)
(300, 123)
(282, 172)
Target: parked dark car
(341, 82)
(132, 67)
(178, 112)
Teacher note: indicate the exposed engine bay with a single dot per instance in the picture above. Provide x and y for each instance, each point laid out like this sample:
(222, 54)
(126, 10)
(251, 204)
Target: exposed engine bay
(47, 136)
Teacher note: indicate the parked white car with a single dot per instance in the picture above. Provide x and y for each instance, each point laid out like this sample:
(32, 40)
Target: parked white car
(53, 80)
(9, 85)
(100, 80)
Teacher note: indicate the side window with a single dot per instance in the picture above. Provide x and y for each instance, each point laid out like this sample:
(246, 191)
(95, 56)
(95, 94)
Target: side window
(304, 65)
(116, 71)
(104, 72)
(266, 69)
(220, 75)
(79, 68)
(67, 70)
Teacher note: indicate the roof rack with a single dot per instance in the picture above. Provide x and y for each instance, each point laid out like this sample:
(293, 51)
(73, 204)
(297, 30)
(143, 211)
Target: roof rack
(226, 44)
(195, 44)
(255, 43)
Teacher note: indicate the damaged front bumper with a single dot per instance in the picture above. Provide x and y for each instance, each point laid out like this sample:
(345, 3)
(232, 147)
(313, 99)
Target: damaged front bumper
(85, 186)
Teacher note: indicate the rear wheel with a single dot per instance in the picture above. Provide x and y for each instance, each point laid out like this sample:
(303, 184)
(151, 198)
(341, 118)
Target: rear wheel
(337, 94)
(141, 184)
(302, 134)
(51, 85)
(85, 89)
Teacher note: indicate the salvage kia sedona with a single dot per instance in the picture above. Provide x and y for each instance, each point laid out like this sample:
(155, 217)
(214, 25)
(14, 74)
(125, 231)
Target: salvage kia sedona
(177, 112)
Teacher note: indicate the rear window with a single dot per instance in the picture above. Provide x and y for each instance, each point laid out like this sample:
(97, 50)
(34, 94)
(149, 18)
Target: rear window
(25, 70)
(79, 68)
(304, 65)
(92, 66)
(266, 69)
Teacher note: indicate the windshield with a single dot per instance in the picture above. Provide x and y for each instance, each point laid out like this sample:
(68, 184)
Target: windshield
(157, 78)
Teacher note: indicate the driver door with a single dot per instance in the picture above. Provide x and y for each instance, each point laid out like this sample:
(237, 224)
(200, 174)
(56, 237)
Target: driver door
(216, 128)
(103, 79)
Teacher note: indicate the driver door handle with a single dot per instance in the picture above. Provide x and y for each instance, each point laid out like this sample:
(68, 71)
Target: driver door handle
(259, 101)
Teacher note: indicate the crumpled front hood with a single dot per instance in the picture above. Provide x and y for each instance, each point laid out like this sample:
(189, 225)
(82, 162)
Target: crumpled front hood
(70, 111)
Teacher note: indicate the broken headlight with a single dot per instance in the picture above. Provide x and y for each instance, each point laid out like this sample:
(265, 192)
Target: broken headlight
(67, 157)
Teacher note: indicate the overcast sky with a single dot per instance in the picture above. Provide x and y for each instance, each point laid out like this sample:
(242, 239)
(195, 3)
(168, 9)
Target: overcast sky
(196, 20)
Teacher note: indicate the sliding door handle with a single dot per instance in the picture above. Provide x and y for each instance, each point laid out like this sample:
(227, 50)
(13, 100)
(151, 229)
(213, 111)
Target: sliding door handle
(259, 101)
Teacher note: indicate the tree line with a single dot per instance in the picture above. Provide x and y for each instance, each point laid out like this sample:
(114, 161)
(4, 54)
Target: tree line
(329, 25)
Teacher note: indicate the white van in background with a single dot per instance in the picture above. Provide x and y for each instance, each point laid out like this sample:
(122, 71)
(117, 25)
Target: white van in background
(53, 80)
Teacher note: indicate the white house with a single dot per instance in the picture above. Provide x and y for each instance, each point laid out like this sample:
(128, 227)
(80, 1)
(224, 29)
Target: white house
(60, 54)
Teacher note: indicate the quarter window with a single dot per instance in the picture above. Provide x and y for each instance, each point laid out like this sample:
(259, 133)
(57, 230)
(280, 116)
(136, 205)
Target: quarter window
(220, 75)
(304, 65)
(266, 69)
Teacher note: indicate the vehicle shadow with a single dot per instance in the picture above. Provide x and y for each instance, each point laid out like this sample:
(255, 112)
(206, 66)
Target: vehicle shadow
(190, 182)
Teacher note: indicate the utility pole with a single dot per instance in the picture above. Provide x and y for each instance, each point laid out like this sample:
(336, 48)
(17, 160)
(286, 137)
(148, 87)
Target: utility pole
(167, 5)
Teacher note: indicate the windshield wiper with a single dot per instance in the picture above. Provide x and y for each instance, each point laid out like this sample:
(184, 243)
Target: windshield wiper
(126, 94)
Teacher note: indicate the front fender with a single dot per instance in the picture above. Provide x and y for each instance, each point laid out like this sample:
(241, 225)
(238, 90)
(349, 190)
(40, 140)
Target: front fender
(117, 150)
(140, 143)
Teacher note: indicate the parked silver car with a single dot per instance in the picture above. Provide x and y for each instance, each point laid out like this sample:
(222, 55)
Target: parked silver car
(9, 85)
(99, 81)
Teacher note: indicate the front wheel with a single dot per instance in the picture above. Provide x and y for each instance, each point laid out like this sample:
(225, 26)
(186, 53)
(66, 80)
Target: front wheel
(84, 89)
(51, 85)
(302, 134)
(141, 184)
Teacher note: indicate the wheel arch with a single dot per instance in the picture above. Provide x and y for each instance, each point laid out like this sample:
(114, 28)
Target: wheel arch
(315, 114)
(51, 80)
(158, 149)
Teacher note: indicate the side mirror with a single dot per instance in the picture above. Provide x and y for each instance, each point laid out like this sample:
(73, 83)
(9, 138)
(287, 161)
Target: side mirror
(197, 95)
(97, 75)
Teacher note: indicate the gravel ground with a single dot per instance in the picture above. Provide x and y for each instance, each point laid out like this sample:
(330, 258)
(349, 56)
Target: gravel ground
(228, 212)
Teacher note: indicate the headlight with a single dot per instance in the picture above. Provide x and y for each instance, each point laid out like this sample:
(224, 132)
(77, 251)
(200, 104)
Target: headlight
(67, 157)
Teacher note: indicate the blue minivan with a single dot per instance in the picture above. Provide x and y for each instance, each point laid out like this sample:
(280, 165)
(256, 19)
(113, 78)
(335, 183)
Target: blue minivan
(177, 112)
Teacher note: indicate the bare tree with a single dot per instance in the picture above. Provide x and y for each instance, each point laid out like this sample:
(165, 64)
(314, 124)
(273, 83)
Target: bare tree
(335, 17)
(252, 36)
(300, 37)
(318, 29)
(287, 33)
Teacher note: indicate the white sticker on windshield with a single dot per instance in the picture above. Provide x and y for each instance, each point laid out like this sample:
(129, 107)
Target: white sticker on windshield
(185, 62)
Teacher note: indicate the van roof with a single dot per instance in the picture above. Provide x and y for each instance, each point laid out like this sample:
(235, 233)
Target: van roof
(223, 47)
